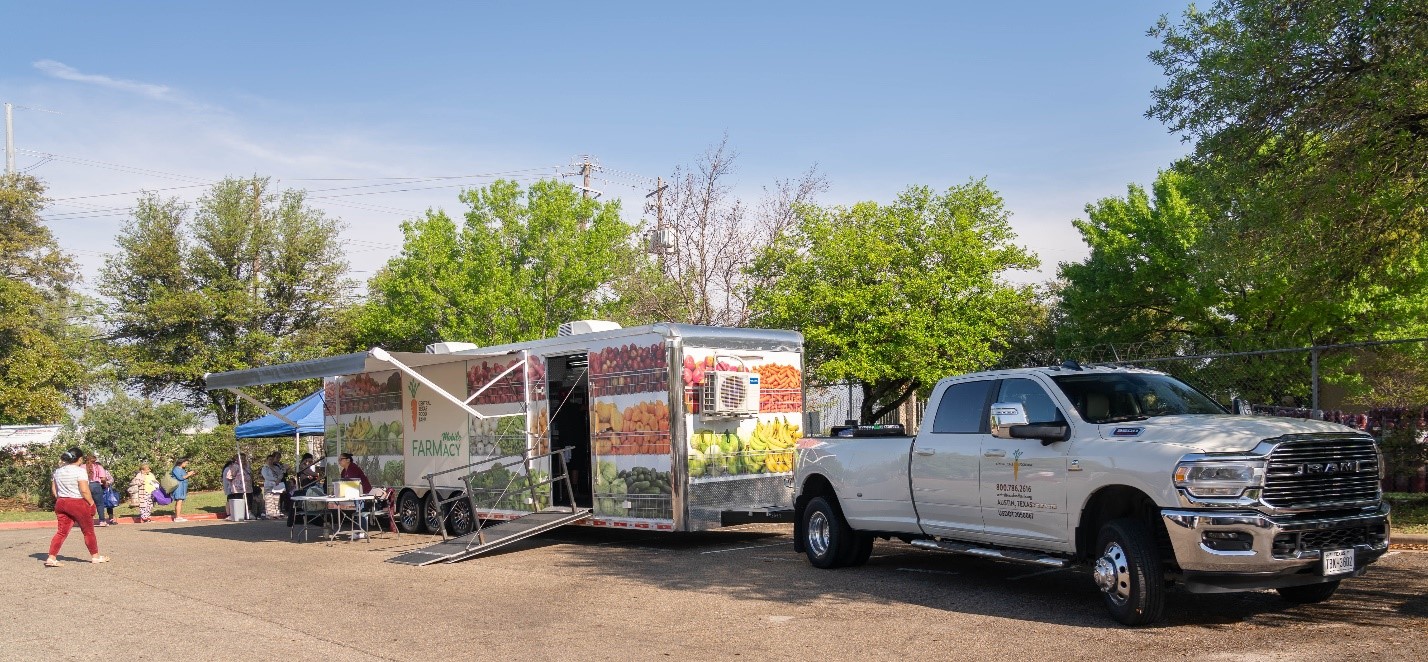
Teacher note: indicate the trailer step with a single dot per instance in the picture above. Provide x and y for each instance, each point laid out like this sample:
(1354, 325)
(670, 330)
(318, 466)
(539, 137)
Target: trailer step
(1017, 556)
(491, 537)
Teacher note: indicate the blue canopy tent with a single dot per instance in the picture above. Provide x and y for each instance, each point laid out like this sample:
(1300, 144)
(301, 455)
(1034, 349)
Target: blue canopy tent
(302, 417)
(306, 413)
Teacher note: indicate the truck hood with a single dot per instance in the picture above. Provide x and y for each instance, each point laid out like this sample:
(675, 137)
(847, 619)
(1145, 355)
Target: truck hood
(1215, 433)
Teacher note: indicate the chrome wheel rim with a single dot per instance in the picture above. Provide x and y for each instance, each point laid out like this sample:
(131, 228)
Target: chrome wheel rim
(818, 533)
(1112, 574)
(408, 514)
(461, 519)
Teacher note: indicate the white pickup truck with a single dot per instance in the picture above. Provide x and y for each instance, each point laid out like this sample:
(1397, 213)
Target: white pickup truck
(1131, 471)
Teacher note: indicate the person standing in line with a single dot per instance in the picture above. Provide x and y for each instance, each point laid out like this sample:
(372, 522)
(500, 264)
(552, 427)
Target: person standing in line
(141, 491)
(99, 480)
(180, 473)
(230, 483)
(273, 486)
(74, 504)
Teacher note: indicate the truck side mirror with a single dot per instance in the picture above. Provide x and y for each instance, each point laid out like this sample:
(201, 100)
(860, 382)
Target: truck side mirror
(1047, 433)
(1005, 415)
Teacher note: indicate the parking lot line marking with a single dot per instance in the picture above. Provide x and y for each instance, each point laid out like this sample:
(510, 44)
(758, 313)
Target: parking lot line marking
(1390, 553)
(735, 549)
(930, 572)
(1033, 574)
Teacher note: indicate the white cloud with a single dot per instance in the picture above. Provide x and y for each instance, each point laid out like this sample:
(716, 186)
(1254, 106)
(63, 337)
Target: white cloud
(153, 91)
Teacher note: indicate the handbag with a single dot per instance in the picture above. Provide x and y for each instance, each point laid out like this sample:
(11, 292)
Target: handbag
(111, 497)
(168, 483)
(161, 498)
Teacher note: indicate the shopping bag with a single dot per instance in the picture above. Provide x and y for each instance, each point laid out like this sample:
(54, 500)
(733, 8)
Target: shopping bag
(160, 498)
(111, 497)
(168, 483)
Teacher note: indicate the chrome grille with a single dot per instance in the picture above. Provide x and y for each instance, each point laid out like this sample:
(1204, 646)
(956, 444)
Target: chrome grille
(1322, 472)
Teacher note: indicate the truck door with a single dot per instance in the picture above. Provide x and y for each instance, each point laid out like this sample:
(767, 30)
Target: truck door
(945, 459)
(1023, 480)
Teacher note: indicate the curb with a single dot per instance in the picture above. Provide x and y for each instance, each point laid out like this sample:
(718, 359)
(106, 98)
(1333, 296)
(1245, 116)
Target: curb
(165, 519)
(1408, 538)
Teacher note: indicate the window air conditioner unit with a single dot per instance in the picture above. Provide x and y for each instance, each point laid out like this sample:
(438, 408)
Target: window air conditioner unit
(730, 393)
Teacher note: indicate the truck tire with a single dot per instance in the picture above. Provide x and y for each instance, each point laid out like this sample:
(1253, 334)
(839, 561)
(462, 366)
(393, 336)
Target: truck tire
(1310, 593)
(1128, 571)
(459, 519)
(408, 512)
(827, 540)
(431, 519)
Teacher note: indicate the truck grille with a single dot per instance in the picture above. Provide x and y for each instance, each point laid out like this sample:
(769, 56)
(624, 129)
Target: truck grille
(1322, 472)
(1289, 544)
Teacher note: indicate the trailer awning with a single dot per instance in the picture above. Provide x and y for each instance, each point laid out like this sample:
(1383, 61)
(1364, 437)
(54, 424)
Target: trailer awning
(331, 366)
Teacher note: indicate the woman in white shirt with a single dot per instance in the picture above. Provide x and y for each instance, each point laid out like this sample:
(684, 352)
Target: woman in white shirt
(74, 504)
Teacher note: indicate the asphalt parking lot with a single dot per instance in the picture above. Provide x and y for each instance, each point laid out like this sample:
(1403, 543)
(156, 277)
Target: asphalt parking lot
(244, 592)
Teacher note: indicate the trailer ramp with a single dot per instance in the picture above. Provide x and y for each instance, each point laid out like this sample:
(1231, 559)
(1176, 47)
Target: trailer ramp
(492, 537)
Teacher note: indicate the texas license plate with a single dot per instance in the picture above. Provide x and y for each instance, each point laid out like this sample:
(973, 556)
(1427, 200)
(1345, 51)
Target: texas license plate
(1338, 561)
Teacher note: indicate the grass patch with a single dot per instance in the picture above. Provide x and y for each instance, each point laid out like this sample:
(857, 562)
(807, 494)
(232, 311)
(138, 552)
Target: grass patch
(197, 502)
(1410, 512)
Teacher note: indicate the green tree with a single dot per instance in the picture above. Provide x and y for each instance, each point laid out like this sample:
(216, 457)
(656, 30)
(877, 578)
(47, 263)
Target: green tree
(1310, 123)
(124, 431)
(35, 371)
(521, 263)
(897, 296)
(255, 276)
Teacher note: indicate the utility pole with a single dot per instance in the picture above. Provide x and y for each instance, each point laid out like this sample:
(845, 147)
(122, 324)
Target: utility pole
(257, 252)
(9, 139)
(657, 239)
(585, 169)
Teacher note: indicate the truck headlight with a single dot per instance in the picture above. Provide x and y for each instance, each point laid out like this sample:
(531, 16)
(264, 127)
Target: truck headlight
(1218, 479)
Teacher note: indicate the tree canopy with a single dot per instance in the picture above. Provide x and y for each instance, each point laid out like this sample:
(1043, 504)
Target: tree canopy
(899, 295)
(252, 276)
(522, 262)
(37, 367)
(1310, 124)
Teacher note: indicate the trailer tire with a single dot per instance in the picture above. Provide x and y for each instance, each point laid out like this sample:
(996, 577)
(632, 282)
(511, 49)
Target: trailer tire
(431, 519)
(827, 539)
(1129, 573)
(1309, 594)
(459, 518)
(408, 512)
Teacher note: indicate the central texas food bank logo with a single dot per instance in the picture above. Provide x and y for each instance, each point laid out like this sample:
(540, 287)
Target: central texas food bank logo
(1016, 464)
(412, 387)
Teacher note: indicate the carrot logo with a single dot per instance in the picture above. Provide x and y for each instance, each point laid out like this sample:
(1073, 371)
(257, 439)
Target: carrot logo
(1016, 464)
(412, 387)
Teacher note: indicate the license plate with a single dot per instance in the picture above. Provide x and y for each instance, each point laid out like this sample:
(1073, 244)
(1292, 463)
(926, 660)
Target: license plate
(1338, 561)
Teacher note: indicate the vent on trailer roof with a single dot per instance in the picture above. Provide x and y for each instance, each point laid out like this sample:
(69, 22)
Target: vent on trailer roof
(585, 326)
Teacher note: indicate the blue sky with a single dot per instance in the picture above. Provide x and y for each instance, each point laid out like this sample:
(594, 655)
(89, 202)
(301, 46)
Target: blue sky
(1044, 99)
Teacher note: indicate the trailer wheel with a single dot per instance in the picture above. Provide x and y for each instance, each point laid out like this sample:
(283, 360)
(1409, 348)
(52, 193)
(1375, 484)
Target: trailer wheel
(431, 519)
(827, 540)
(408, 512)
(459, 520)
(1129, 573)
(1310, 593)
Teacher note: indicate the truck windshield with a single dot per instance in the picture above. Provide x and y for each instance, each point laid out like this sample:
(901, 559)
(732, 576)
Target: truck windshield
(1118, 397)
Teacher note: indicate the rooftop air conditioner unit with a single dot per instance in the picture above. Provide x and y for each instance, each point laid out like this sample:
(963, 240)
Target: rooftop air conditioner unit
(729, 393)
(450, 347)
(585, 326)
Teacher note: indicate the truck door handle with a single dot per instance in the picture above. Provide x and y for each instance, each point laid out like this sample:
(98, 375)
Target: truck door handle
(994, 452)
(925, 451)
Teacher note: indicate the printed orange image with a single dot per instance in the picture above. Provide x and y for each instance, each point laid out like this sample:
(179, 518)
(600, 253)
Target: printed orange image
(640, 429)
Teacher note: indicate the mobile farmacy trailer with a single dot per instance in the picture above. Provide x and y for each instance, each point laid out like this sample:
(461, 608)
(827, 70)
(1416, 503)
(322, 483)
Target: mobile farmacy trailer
(669, 427)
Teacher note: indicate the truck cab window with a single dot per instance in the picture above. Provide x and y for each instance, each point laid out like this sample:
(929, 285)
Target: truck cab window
(963, 408)
(1118, 397)
(1040, 408)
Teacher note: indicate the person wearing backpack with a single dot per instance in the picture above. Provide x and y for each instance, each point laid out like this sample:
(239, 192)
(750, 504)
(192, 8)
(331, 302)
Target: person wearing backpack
(141, 491)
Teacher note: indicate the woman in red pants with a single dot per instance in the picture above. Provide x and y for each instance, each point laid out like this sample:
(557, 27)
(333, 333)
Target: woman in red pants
(74, 504)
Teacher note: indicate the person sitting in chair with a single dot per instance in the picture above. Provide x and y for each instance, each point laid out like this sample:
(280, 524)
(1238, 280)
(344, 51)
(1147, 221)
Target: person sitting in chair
(351, 471)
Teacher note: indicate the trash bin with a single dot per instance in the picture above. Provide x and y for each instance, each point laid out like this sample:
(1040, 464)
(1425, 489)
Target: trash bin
(238, 508)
